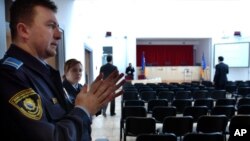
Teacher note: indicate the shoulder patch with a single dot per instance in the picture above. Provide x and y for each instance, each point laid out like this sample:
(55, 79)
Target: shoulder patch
(13, 62)
(28, 102)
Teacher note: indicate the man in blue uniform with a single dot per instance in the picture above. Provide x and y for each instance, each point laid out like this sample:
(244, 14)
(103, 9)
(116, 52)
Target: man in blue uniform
(32, 101)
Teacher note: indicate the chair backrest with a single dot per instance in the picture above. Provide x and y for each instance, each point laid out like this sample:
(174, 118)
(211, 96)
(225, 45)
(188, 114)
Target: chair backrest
(243, 101)
(239, 122)
(183, 94)
(193, 89)
(161, 89)
(204, 102)
(141, 89)
(244, 110)
(195, 112)
(161, 112)
(148, 95)
(218, 94)
(229, 111)
(129, 88)
(237, 82)
(137, 85)
(207, 83)
(168, 95)
(156, 102)
(231, 89)
(181, 104)
(195, 83)
(134, 103)
(135, 111)
(243, 91)
(178, 125)
(212, 123)
(139, 125)
(130, 95)
(225, 102)
(176, 89)
(200, 94)
(156, 137)
(204, 137)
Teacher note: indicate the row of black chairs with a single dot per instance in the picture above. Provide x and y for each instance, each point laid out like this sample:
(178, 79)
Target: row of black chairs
(181, 104)
(180, 126)
(187, 137)
(237, 90)
(160, 113)
(238, 83)
(170, 95)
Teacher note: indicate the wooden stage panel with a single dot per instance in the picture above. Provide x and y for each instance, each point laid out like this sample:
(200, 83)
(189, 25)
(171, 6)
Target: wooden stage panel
(173, 73)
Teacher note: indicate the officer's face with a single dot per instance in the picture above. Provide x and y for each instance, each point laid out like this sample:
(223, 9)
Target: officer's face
(44, 33)
(74, 74)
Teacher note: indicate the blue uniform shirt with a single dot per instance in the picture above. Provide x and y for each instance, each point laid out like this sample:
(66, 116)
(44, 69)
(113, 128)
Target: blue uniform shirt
(33, 104)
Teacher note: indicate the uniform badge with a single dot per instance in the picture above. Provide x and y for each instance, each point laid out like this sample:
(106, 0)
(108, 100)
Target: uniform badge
(54, 100)
(10, 61)
(28, 102)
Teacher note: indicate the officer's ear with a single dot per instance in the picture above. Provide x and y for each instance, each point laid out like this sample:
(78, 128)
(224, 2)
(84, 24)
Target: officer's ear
(23, 31)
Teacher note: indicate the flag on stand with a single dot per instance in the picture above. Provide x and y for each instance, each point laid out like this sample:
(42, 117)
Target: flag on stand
(203, 66)
(143, 63)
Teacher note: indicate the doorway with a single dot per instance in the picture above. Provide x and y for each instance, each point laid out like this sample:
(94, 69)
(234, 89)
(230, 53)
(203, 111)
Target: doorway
(88, 66)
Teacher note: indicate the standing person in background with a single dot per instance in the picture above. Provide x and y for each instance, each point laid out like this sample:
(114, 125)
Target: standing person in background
(130, 71)
(107, 69)
(32, 101)
(221, 71)
(72, 76)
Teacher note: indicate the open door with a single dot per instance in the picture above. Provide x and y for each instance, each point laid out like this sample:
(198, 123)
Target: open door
(88, 66)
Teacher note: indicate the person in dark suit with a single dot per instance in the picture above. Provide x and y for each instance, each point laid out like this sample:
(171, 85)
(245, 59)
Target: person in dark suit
(221, 71)
(72, 76)
(107, 69)
(32, 100)
(130, 72)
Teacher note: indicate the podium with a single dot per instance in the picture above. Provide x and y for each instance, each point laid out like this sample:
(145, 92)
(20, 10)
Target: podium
(142, 76)
(128, 77)
(188, 75)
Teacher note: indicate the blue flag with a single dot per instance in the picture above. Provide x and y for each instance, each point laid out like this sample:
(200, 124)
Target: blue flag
(203, 66)
(203, 62)
(143, 62)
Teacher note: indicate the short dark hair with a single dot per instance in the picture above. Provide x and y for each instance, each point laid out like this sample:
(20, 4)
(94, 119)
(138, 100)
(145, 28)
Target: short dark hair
(23, 11)
(220, 58)
(109, 58)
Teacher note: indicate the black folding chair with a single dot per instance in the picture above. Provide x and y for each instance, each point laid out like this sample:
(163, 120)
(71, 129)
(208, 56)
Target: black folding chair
(154, 137)
(212, 123)
(161, 112)
(156, 102)
(195, 112)
(178, 125)
(239, 122)
(204, 137)
(131, 111)
(135, 126)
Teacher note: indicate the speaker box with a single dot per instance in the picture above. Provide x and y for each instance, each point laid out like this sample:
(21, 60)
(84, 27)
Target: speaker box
(108, 34)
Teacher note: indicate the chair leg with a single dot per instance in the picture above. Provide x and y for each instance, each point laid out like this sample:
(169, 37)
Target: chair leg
(124, 137)
(120, 133)
(121, 127)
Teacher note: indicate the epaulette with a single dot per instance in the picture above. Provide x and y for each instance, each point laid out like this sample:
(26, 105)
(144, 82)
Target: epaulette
(13, 62)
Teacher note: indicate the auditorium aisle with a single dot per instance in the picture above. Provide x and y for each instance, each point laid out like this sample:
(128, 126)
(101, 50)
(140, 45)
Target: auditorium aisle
(109, 127)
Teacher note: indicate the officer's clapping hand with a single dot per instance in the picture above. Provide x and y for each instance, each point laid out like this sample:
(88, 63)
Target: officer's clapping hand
(100, 92)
